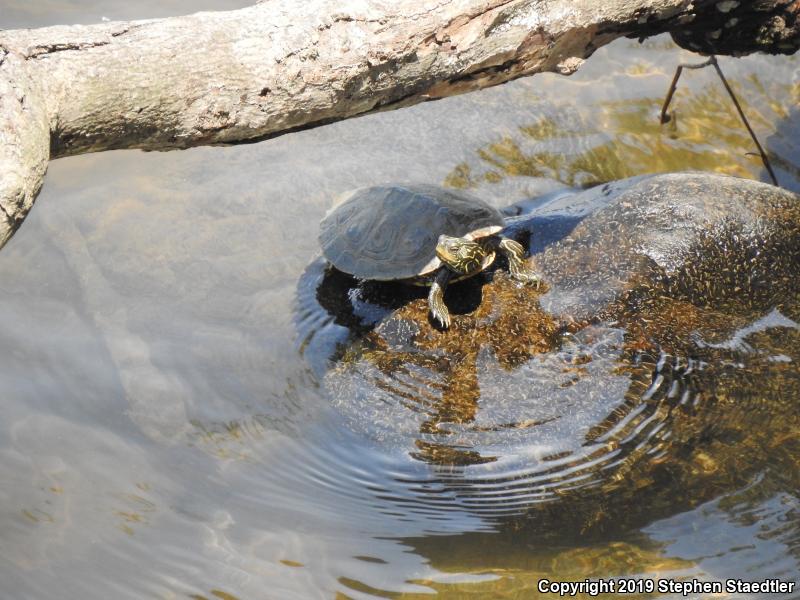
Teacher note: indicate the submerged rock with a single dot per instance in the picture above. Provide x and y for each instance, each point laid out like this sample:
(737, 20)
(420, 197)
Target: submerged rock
(667, 328)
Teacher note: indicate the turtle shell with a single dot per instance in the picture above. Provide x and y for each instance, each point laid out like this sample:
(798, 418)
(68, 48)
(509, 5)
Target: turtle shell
(390, 232)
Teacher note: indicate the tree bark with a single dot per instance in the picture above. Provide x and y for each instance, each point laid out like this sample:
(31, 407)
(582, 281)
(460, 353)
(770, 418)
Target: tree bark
(275, 67)
(24, 142)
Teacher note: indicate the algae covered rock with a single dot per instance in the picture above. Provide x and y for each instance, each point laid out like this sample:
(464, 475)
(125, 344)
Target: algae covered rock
(663, 344)
(712, 239)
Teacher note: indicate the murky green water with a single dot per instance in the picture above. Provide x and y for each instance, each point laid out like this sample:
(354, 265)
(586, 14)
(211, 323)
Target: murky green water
(162, 436)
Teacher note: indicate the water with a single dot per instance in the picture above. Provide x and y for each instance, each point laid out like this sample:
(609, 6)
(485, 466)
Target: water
(162, 435)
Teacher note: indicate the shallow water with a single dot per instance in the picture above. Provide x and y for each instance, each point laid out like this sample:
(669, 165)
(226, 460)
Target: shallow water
(163, 436)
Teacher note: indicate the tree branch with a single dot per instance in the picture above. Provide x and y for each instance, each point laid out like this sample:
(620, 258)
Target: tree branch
(24, 142)
(278, 66)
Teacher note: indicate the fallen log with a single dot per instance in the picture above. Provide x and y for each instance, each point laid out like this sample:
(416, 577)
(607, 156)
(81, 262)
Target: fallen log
(227, 77)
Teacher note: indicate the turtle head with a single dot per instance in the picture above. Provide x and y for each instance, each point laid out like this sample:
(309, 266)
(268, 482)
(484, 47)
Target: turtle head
(463, 255)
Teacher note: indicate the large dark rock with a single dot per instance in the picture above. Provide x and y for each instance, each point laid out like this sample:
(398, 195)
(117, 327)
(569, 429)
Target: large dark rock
(710, 240)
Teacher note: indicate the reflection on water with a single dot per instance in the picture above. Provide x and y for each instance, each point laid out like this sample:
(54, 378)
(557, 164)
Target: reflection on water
(493, 566)
(161, 436)
(622, 137)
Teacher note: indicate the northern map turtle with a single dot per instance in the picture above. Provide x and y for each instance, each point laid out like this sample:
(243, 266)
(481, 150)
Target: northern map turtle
(425, 234)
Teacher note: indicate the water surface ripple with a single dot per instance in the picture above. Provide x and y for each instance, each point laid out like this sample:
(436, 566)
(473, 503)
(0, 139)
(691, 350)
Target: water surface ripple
(166, 432)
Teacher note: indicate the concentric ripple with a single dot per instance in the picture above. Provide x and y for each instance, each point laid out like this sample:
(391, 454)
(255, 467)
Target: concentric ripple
(518, 408)
(592, 418)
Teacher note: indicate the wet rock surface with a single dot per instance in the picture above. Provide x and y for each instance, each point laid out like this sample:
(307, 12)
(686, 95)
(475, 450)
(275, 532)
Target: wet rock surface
(710, 240)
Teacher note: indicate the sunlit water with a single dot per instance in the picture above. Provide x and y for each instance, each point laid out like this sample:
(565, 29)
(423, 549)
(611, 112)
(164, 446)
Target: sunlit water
(166, 434)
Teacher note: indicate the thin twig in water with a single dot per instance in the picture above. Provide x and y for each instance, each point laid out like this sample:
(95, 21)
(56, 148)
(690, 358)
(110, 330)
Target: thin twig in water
(665, 118)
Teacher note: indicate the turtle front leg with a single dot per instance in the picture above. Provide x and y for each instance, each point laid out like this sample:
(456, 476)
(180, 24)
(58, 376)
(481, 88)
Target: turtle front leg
(436, 297)
(515, 253)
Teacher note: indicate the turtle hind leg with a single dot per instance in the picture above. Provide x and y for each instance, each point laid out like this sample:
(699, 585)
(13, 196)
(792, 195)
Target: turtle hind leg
(515, 254)
(436, 303)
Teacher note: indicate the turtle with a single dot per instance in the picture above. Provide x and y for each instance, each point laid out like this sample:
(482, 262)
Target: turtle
(420, 234)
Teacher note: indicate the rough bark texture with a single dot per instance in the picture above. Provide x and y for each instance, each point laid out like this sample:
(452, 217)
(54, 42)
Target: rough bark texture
(277, 66)
(24, 142)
